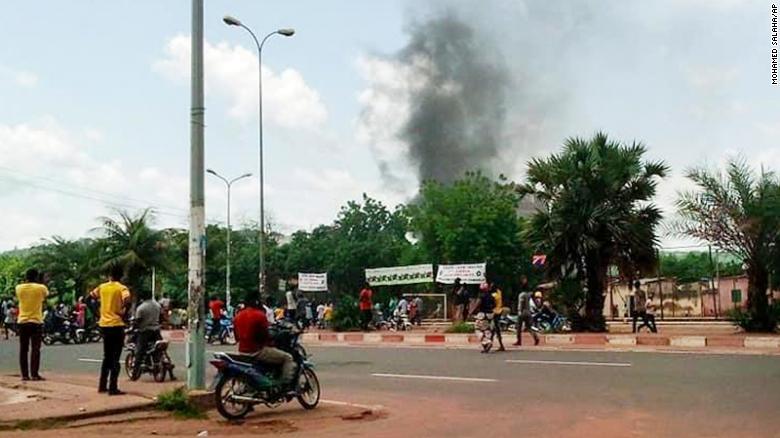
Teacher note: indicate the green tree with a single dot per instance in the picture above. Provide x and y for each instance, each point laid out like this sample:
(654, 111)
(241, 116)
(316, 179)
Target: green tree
(693, 266)
(130, 241)
(596, 211)
(12, 268)
(71, 266)
(738, 212)
(473, 220)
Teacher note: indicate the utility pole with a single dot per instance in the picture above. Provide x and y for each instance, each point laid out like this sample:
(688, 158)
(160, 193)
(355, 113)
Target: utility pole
(196, 348)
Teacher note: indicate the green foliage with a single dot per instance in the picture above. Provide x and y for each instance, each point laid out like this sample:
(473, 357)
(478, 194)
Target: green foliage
(178, 402)
(739, 212)
(12, 268)
(473, 220)
(596, 212)
(346, 314)
(460, 327)
(693, 266)
(750, 322)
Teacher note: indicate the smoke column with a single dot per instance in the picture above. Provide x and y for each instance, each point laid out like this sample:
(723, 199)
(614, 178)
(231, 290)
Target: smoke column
(457, 112)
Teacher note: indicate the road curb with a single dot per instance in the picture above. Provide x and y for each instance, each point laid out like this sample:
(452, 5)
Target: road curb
(747, 343)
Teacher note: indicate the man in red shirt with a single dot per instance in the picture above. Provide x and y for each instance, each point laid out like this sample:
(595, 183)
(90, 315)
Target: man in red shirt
(215, 306)
(365, 305)
(251, 325)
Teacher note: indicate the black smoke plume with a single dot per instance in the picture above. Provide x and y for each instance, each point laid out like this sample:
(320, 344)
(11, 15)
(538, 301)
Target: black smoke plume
(458, 111)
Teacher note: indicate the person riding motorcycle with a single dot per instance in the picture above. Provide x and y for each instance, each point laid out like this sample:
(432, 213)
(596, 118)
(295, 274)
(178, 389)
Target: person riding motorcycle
(147, 321)
(254, 339)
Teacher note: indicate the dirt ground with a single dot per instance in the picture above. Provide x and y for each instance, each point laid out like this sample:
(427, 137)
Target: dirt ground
(290, 420)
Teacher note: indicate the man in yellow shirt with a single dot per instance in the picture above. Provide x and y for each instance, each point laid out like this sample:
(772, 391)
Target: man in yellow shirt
(497, 312)
(31, 295)
(113, 297)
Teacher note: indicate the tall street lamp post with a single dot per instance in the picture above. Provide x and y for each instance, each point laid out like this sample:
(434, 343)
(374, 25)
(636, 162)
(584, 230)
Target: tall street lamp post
(232, 21)
(228, 184)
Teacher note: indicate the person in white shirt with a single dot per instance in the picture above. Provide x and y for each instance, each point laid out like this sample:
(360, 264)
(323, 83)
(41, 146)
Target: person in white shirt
(292, 305)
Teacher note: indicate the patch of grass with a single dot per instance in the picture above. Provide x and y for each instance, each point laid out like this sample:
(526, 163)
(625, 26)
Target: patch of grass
(178, 402)
(461, 327)
(32, 425)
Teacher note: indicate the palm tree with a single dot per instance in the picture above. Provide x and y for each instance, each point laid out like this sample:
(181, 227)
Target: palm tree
(594, 211)
(738, 212)
(68, 264)
(130, 242)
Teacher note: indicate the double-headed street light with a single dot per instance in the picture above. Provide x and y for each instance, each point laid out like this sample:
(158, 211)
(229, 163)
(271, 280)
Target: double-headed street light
(232, 21)
(228, 183)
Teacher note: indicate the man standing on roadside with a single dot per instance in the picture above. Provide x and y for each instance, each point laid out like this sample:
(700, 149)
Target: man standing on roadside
(524, 319)
(292, 305)
(31, 296)
(114, 298)
(366, 294)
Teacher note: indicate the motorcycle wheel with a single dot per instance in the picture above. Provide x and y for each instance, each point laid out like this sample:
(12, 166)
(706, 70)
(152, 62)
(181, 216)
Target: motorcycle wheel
(308, 389)
(226, 387)
(48, 340)
(129, 365)
(158, 372)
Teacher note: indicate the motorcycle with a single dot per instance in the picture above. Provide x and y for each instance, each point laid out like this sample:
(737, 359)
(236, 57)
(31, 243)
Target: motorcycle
(157, 362)
(241, 384)
(226, 334)
(399, 321)
(554, 324)
(484, 327)
(508, 323)
(58, 329)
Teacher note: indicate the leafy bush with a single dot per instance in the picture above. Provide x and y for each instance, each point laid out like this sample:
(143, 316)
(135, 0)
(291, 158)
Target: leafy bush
(460, 327)
(747, 322)
(178, 402)
(346, 315)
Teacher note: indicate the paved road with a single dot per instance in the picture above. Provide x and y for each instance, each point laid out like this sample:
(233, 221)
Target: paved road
(436, 392)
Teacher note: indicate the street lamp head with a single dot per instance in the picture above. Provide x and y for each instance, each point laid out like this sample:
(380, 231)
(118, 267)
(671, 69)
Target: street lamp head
(286, 32)
(231, 21)
(211, 171)
(246, 175)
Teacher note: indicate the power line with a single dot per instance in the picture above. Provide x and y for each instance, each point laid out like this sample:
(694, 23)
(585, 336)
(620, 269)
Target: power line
(108, 202)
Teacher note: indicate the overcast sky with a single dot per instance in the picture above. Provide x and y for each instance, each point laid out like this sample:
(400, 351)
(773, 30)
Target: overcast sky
(94, 99)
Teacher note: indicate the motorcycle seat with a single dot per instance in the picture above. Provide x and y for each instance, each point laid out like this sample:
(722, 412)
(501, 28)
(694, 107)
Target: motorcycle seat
(239, 357)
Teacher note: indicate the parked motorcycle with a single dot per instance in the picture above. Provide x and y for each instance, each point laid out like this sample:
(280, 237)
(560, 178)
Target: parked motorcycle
(242, 384)
(58, 329)
(157, 362)
(399, 321)
(554, 324)
(226, 334)
(508, 323)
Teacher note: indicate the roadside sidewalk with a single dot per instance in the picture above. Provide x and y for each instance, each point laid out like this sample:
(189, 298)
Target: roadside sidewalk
(69, 397)
(737, 343)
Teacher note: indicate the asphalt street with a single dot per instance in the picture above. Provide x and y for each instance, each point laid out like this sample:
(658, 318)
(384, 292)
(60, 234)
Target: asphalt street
(461, 392)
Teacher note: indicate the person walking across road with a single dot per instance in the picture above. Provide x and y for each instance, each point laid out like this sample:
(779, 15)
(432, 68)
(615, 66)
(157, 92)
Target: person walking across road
(114, 297)
(366, 295)
(31, 295)
(649, 317)
(497, 312)
(524, 319)
(640, 300)
(9, 319)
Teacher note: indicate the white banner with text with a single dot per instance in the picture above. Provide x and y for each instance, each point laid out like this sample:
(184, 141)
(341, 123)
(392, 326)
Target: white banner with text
(473, 273)
(400, 275)
(312, 282)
